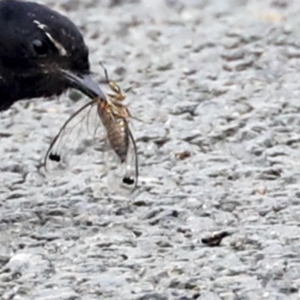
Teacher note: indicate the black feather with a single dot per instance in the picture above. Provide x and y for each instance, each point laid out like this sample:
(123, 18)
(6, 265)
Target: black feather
(30, 63)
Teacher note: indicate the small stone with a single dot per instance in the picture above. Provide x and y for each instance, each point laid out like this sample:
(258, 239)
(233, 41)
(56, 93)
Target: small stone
(152, 296)
(184, 107)
(164, 66)
(233, 55)
(75, 96)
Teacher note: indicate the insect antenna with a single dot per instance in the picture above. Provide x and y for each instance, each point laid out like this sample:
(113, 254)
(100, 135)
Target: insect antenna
(105, 72)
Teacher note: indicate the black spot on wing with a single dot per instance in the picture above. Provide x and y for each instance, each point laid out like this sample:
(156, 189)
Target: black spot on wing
(54, 157)
(128, 180)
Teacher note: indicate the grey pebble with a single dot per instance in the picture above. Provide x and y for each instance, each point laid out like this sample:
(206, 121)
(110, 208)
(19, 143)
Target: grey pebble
(233, 55)
(5, 254)
(56, 294)
(206, 295)
(29, 265)
(152, 296)
(185, 107)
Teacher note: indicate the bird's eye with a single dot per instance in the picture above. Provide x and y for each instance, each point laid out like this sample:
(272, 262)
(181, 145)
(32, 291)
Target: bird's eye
(39, 47)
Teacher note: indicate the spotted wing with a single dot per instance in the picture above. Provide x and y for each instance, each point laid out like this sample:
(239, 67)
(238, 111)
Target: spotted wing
(122, 174)
(75, 139)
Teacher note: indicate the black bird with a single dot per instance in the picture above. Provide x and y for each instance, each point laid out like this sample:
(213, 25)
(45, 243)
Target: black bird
(42, 54)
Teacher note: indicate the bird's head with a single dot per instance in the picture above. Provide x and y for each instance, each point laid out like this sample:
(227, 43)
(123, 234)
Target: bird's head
(42, 53)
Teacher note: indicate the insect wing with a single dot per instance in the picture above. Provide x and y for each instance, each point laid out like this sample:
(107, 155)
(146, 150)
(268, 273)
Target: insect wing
(75, 138)
(122, 176)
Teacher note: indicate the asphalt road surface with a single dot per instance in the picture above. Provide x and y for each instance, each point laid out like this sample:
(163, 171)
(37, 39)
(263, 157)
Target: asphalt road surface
(216, 84)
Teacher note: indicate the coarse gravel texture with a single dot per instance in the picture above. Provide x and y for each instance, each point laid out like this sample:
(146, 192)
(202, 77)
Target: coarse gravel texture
(217, 79)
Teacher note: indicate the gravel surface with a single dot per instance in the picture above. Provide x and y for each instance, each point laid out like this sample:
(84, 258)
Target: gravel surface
(217, 86)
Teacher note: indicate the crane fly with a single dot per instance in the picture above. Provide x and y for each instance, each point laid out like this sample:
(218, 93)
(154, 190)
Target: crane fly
(110, 114)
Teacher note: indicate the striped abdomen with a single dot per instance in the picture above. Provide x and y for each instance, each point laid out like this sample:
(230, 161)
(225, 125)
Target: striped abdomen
(117, 131)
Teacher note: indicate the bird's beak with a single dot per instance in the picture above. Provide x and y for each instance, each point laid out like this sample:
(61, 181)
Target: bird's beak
(84, 84)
